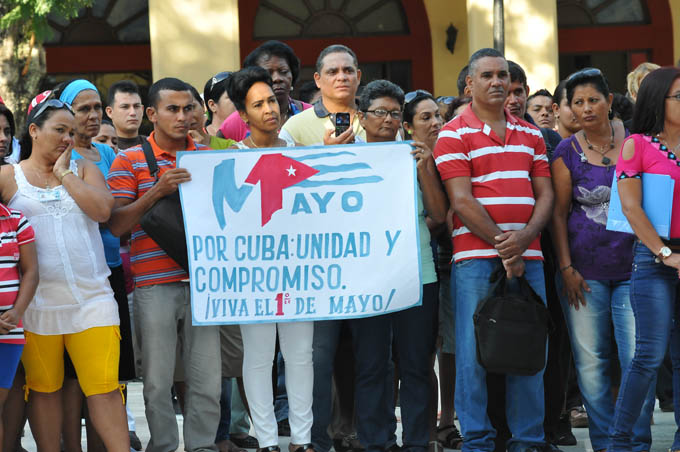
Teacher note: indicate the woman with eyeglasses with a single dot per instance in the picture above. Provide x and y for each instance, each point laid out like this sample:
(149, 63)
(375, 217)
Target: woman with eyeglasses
(284, 68)
(653, 148)
(565, 121)
(422, 122)
(594, 263)
(74, 307)
(414, 330)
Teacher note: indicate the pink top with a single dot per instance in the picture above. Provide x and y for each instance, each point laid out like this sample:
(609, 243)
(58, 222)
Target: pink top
(236, 129)
(653, 157)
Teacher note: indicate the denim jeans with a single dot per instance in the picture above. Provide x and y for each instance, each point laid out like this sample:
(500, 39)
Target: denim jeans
(607, 313)
(324, 346)
(225, 412)
(414, 332)
(524, 394)
(653, 296)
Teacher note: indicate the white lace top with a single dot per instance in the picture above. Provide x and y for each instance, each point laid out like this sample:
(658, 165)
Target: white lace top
(74, 293)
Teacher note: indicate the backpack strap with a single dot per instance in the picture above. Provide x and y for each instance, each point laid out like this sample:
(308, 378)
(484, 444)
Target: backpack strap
(150, 159)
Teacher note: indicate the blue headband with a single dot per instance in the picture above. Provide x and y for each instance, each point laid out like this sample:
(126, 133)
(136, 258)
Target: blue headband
(74, 88)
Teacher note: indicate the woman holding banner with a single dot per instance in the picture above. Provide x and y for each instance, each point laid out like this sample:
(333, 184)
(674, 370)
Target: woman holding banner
(250, 90)
(594, 278)
(422, 122)
(656, 262)
(414, 330)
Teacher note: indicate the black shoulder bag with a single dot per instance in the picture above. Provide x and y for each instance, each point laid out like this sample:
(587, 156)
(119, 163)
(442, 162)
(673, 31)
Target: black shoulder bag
(164, 221)
(511, 329)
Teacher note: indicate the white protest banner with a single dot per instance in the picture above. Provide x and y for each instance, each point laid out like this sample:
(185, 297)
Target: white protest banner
(301, 233)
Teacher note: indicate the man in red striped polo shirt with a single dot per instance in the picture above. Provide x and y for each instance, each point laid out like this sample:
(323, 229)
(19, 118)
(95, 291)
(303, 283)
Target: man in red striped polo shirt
(496, 173)
(162, 304)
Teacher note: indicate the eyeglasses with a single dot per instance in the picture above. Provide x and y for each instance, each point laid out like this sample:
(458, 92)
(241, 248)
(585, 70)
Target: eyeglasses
(446, 100)
(675, 96)
(218, 78)
(414, 94)
(51, 103)
(584, 73)
(380, 113)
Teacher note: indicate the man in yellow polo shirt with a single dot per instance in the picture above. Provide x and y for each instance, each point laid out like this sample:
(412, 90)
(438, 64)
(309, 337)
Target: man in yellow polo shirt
(337, 76)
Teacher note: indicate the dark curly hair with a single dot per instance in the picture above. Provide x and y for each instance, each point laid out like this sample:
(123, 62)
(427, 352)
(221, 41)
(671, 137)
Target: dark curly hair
(275, 48)
(240, 83)
(377, 89)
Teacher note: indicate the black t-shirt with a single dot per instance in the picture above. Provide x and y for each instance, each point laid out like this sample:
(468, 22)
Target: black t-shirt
(125, 143)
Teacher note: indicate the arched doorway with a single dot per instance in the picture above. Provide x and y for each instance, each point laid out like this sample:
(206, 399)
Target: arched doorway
(614, 35)
(114, 34)
(390, 37)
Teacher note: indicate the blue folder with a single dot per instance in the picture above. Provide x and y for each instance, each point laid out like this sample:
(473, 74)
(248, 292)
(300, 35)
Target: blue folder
(657, 202)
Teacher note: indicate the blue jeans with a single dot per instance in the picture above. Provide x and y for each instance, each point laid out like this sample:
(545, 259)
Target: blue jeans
(326, 337)
(653, 295)
(414, 332)
(225, 411)
(524, 395)
(590, 330)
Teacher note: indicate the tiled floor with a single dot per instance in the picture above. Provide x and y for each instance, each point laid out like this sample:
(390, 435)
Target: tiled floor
(662, 430)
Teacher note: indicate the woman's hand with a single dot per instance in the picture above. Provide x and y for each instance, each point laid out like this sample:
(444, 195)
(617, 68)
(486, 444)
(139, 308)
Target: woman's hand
(200, 136)
(574, 287)
(10, 318)
(673, 261)
(422, 153)
(63, 163)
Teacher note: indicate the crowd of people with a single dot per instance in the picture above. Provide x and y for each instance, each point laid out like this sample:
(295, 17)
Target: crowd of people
(509, 181)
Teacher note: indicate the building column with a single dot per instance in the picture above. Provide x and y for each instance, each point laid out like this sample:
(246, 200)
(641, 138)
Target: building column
(531, 40)
(193, 39)
(675, 18)
(530, 36)
(447, 65)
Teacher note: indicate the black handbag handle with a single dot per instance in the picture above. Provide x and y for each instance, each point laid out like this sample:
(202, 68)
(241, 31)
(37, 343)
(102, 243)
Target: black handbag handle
(150, 159)
(499, 279)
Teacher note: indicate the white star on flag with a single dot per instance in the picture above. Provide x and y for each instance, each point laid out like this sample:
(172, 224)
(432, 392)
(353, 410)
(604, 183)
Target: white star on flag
(291, 171)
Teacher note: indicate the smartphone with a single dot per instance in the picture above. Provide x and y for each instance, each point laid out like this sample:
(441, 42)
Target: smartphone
(341, 123)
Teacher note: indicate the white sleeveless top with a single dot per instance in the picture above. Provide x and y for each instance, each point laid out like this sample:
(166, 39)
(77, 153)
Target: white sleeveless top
(74, 293)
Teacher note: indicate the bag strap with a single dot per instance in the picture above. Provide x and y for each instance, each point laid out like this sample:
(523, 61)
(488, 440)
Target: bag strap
(527, 290)
(150, 159)
(498, 281)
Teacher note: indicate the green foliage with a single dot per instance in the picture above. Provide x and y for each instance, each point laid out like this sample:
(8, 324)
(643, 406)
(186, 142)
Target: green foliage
(32, 14)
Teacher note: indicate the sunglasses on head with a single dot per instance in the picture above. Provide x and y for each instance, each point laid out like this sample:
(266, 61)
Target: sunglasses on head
(585, 73)
(446, 100)
(412, 95)
(218, 78)
(51, 103)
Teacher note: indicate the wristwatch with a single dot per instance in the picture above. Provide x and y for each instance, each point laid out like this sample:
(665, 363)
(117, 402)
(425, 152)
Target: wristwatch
(664, 252)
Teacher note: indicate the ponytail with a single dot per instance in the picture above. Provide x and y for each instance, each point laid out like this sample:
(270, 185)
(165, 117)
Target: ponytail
(26, 144)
